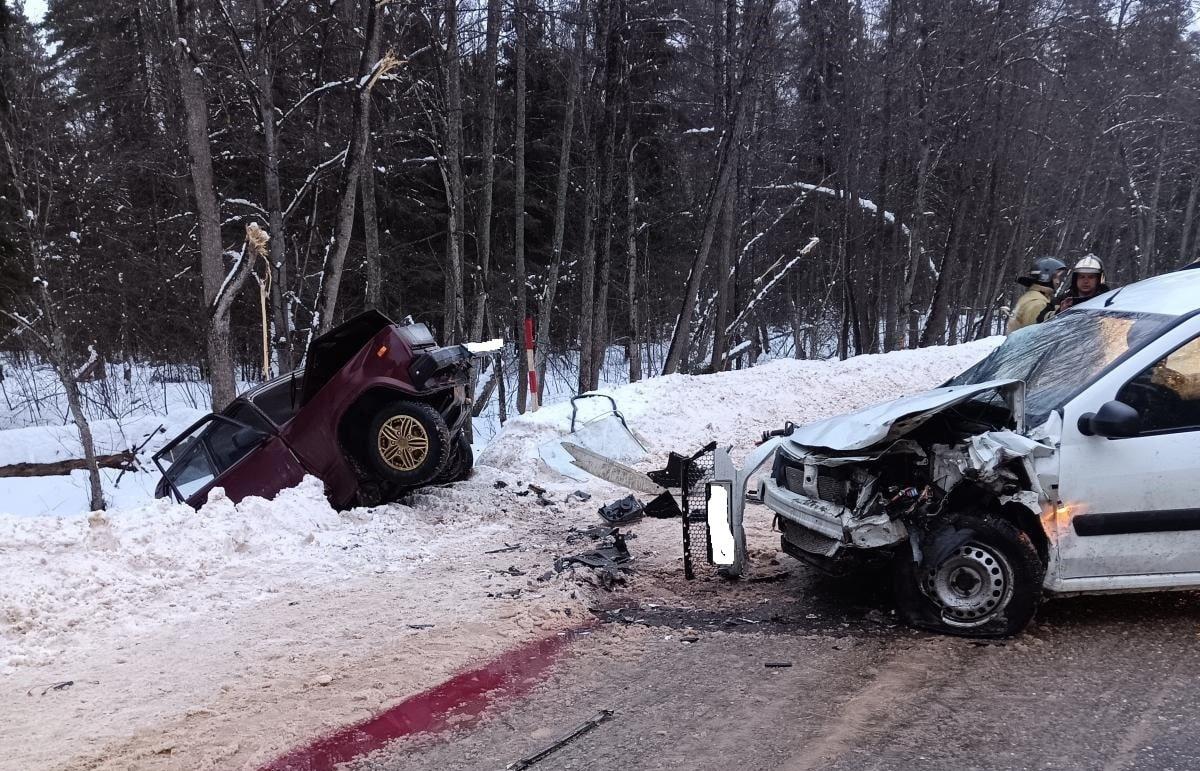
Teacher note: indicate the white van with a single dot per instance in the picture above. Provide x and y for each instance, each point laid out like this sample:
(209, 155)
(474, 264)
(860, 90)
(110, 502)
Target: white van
(1067, 461)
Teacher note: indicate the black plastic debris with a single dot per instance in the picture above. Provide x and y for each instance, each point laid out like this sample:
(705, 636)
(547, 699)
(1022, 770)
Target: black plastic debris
(608, 560)
(672, 475)
(663, 507)
(628, 509)
(612, 554)
(581, 495)
(593, 533)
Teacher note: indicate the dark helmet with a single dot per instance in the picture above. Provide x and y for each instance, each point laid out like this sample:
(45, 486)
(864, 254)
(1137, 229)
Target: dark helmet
(1042, 272)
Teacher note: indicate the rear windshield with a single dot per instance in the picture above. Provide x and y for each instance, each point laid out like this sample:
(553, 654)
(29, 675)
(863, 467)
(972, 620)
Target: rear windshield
(1060, 358)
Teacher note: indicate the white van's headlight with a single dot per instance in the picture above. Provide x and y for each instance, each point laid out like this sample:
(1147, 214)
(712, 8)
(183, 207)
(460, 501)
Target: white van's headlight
(718, 497)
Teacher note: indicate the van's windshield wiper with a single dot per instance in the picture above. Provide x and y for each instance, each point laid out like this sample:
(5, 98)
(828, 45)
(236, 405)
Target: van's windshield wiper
(1109, 301)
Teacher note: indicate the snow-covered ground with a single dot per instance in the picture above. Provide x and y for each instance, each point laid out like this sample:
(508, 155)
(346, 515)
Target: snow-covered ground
(218, 638)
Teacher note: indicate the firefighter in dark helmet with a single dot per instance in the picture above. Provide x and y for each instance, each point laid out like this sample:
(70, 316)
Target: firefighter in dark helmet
(1041, 281)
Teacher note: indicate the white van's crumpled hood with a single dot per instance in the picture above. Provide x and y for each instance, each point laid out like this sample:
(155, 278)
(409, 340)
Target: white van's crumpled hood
(891, 420)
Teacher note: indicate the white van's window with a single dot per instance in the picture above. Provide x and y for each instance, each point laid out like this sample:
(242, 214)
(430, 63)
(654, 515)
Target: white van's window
(1167, 393)
(1059, 358)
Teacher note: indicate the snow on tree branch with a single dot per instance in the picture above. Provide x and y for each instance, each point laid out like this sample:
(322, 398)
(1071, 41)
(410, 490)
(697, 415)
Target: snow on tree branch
(762, 292)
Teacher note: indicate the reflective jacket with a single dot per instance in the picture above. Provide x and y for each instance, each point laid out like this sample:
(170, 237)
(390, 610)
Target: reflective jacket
(1029, 306)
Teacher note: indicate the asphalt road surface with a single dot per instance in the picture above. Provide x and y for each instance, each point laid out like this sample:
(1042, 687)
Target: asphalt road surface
(1096, 683)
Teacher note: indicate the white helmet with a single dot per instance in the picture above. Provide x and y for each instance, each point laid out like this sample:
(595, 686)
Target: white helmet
(1089, 263)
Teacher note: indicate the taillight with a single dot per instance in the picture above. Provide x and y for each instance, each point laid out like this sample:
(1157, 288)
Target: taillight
(383, 349)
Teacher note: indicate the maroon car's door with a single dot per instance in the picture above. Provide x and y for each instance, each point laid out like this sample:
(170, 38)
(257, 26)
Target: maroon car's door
(264, 471)
(223, 451)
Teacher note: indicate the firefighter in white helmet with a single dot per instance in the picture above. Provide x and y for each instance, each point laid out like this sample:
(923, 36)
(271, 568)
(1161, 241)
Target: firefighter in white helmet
(1087, 281)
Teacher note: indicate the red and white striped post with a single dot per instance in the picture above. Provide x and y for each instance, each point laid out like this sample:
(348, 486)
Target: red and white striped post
(533, 379)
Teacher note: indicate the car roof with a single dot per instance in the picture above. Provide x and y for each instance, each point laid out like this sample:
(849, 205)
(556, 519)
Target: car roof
(258, 389)
(1173, 294)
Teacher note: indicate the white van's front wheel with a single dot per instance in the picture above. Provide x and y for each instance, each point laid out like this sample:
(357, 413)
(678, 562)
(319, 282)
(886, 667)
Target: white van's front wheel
(978, 576)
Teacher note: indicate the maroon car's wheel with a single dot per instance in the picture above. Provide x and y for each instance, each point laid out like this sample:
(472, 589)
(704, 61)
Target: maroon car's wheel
(460, 463)
(407, 443)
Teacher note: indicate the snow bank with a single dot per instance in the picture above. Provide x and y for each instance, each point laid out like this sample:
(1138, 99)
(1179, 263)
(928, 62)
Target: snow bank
(68, 494)
(684, 412)
(62, 578)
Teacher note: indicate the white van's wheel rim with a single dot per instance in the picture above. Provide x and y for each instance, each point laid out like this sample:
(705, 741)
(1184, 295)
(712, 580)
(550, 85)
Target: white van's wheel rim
(971, 585)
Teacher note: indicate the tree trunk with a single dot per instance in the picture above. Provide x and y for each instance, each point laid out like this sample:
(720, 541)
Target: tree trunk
(613, 15)
(356, 153)
(546, 304)
(722, 179)
(906, 309)
(370, 224)
(722, 286)
(63, 467)
(1189, 215)
(587, 273)
(483, 230)
(264, 77)
(195, 108)
(632, 349)
(453, 181)
(519, 276)
(677, 352)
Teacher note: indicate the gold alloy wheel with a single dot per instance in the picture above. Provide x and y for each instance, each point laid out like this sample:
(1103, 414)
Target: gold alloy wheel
(403, 442)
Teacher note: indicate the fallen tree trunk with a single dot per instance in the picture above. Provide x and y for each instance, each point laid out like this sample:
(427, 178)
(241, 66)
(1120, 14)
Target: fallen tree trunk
(121, 460)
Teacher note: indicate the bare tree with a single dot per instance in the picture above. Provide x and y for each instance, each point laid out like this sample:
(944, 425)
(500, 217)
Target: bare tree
(188, 67)
(546, 302)
(370, 69)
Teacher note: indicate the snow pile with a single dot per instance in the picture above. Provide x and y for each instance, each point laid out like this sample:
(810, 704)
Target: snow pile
(684, 412)
(65, 577)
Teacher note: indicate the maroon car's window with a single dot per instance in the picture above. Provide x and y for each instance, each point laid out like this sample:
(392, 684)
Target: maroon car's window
(278, 401)
(192, 472)
(228, 442)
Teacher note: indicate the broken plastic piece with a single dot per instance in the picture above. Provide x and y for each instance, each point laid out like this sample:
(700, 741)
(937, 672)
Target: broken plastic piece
(627, 509)
(663, 507)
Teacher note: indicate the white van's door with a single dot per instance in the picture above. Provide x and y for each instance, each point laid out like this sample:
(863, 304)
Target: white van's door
(1131, 506)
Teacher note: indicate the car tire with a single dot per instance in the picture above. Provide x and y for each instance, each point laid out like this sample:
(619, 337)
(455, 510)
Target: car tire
(460, 463)
(407, 443)
(978, 576)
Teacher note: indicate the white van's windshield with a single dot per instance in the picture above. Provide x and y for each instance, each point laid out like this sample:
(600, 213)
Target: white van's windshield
(1059, 358)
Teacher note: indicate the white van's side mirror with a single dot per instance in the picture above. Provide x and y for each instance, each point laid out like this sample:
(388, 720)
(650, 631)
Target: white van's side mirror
(1113, 420)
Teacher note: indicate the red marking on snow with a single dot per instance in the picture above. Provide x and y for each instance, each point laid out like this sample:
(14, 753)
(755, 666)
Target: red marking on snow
(460, 700)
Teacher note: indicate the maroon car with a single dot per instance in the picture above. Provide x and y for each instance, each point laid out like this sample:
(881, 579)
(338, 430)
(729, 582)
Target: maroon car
(378, 409)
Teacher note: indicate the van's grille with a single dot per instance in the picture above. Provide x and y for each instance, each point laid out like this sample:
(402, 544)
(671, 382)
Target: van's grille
(793, 479)
(830, 485)
(829, 488)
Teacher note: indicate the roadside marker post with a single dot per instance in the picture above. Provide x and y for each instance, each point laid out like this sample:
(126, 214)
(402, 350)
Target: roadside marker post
(533, 379)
